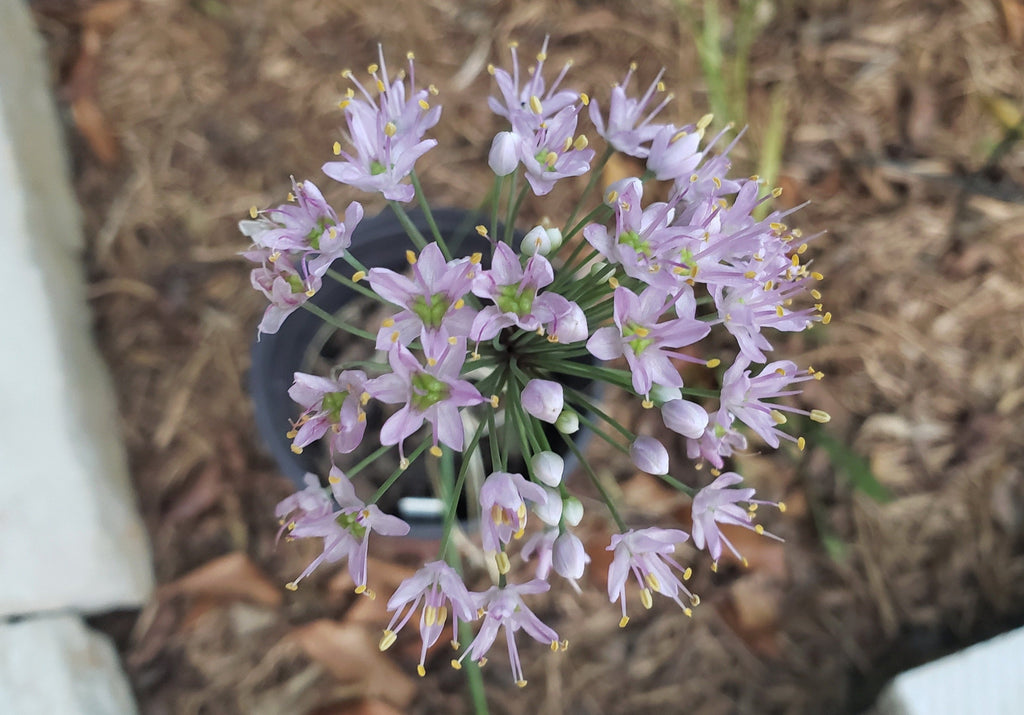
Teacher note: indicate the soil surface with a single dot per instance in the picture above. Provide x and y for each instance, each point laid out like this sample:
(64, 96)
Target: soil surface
(905, 523)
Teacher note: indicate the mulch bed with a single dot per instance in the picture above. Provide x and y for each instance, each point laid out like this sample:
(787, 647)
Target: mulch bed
(182, 115)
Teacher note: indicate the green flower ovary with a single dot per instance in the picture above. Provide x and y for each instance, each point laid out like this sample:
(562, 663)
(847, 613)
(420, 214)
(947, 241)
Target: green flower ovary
(513, 299)
(633, 240)
(431, 310)
(332, 403)
(427, 390)
(296, 283)
(639, 343)
(313, 237)
(350, 522)
(377, 168)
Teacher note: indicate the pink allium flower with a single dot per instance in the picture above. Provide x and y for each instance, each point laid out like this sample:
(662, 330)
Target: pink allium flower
(503, 502)
(720, 439)
(504, 608)
(554, 152)
(646, 343)
(333, 406)
(432, 299)
(543, 399)
(644, 241)
(628, 128)
(742, 396)
(649, 455)
(647, 554)
(284, 285)
(386, 133)
(345, 531)
(541, 546)
(528, 104)
(433, 393)
(687, 418)
(674, 152)
(433, 585)
(717, 504)
(569, 557)
(515, 292)
(307, 231)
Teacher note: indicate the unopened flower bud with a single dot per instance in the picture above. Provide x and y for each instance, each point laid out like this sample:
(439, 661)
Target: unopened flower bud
(568, 422)
(547, 468)
(568, 556)
(649, 455)
(543, 399)
(503, 157)
(571, 326)
(687, 418)
(662, 394)
(555, 236)
(572, 511)
(550, 510)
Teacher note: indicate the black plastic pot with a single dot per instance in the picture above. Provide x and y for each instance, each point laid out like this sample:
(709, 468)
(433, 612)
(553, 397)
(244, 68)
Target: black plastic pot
(305, 343)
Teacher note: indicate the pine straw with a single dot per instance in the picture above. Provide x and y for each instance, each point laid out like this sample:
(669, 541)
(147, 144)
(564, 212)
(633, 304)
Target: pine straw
(214, 104)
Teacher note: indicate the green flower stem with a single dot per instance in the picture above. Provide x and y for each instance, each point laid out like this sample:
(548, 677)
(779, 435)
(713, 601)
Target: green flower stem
(621, 378)
(595, 174)
(346, 281)
(425, 205)
(339, 324)
(362, 365)
(582, 399)
(596, 482)
(451, 499)
(698, 392)
(373, 457)
(592, 426)
(600, 214)
(513, 213)
(410, 228)
(514, 411)
(497, 460)
(398, 472)
(353, 261)
(495, 197)
(672, 481)
(474, 678)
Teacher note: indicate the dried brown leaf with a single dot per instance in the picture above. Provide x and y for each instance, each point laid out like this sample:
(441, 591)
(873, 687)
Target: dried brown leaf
(230, 577)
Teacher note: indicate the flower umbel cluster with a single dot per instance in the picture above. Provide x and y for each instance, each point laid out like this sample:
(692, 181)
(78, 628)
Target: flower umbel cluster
(665, 269)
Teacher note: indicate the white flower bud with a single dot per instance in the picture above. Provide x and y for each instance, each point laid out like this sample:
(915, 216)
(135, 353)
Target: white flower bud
(550, 511)
(555, 237)
(687, 418)
(662, 394)
(649, 455)
(504, 157)
(572, 511)
(568, 422)
(547, 468)
(568, 556)
(543, 399)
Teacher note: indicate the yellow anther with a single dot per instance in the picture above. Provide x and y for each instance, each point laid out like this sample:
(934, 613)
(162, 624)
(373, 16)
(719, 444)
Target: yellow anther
(387, 640)
(694, 178)
(802, 248)
(495, 401)
(521, 683)
(584, 98)
(424, 105)
(777, 191)
(360, 589)
(688, 612)
(403, 463)
(746, 564)
(717, 182)
(554, 646)
(431, 361)
(778, 417)
(652, 581)
(490, 69)
(380, 86)
(432, 88)
(661, 86)
(372, 68)
(334, 479)
(782, 506)
(687, 573)
(705, 121)
(612, 196)
(564, 645)
(551, 159)
(647, 404)
(818, 375)
(410, 257)
(253, 213)
(779, 311)
(752, 508)
(442, 615)
(535, 104)
(390, 129)
(694, 600)
(801, 443)
(394, 336)
(292, 434)
(435, 450)
(820, 416)
(714, 567)
(420, 670)
(776, 226)
(567, 144)
(364, 398)
(646, 599)
(750, 274)
(388, 322)
(759, 529)
(581, 142)
(343, 104)
(826, 318)
(501, 559)
(430, 615)
(613, 282)
(623, 621)
(713, 363)
(292, 586)
(296, 449)
(816, 294)
(456, 664)
(715, 472)
(336, 148)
